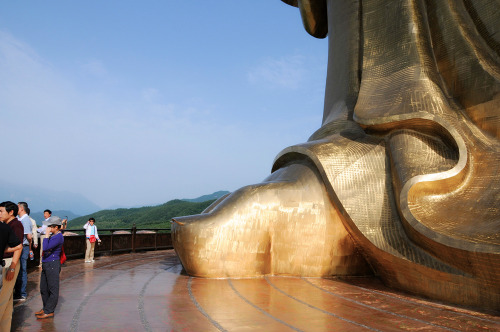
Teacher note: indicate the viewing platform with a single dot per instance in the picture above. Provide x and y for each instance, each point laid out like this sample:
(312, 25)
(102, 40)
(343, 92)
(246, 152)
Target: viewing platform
(147, 291)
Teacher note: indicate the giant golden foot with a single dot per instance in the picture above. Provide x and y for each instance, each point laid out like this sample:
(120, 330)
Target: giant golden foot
(285, 225)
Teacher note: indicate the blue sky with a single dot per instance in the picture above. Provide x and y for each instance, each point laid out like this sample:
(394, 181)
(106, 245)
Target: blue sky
(138, 102)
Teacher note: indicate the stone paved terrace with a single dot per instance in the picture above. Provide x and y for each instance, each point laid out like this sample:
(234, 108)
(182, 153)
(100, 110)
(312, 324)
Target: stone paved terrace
(148, 292)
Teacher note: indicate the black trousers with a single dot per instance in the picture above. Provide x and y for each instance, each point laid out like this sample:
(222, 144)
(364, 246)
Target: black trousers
(49, 285)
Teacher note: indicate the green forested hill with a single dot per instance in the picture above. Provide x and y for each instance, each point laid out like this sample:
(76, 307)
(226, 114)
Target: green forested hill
(144, 217)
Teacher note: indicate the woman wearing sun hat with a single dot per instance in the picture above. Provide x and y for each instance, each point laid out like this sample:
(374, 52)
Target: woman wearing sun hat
(51, 267)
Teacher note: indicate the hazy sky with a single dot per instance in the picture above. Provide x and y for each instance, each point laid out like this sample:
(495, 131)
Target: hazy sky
(139, 102)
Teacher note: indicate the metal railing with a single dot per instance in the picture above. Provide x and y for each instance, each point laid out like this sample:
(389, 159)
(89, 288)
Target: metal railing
(113, 241)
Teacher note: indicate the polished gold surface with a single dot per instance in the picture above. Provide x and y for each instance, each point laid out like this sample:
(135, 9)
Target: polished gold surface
(404, 170)
(285, 225)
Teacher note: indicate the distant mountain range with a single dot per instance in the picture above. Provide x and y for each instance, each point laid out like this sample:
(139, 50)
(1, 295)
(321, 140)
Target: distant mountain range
(40, 199)
(158, 216)
(66, 204)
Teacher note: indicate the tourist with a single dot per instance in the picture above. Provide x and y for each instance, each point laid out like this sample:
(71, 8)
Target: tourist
(34, 233)
(22, 278)
(51, 267)
(8, 213)
(64, 223)
(42, 230)
(11, 244)
(92, 237)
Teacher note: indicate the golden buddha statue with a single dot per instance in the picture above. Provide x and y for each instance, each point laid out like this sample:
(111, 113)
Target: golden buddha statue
(402, 180)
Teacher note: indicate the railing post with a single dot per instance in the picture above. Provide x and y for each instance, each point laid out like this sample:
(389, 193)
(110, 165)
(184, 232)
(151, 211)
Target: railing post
(111, 244)
(134, 231)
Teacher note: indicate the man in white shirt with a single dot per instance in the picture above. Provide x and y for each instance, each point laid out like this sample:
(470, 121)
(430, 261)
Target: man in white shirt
(34, 231)
(20, 293)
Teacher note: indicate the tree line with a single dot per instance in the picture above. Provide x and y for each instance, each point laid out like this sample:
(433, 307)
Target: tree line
(144, 217)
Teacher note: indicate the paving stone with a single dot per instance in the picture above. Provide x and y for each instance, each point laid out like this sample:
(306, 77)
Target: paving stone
(148, 291)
